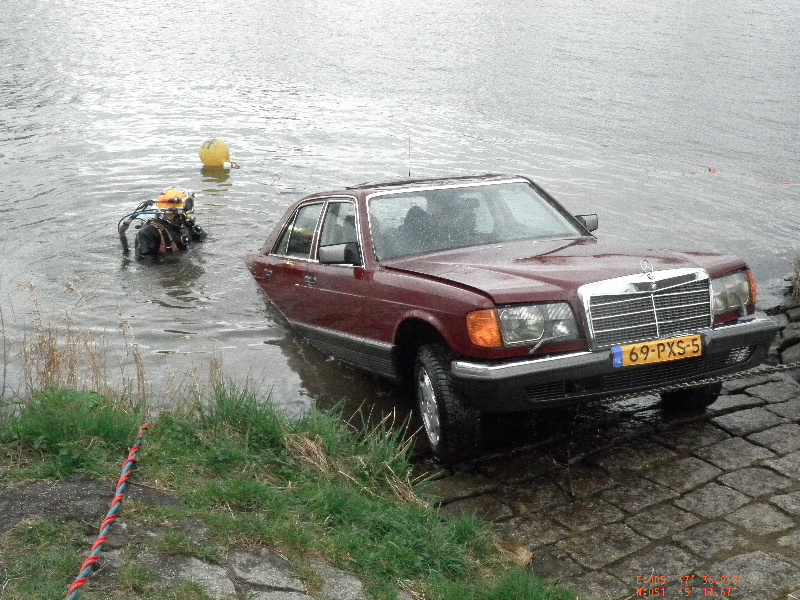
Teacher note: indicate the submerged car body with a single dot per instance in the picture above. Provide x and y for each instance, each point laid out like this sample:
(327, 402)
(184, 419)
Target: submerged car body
(490, 297)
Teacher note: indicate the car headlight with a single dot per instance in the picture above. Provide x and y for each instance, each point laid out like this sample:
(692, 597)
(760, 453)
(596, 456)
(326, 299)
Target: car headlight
(523, 324)
(734, 293)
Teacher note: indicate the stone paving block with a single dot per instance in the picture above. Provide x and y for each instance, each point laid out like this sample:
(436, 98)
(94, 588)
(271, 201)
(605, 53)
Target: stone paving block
(685, 474)
(710, 538)
(790, 335)
(457, 487)
(735, 386)
(755, 481)
(638, 404)
(712, 500)
(659, 521)
(745, 422)
(635, 457)
(791, 355)
(788, 410)
(788, 502)
(171, 571)
(597, 586)
(516, 469)
(603, 546)
(760, 518)
(578, 481)
(212, 578)
(788, 465)
(781, 439)
(265, 569)
(486, 508)
(791, 540)
(278, 595)
(777, 391)
(586, 514)
(763, 575)
(667, 561)
(338, 585)
(732, 402)
(733, 453)
(531, 530)
(537, 495)
(553, 564)
(640, 493)
(691, 437)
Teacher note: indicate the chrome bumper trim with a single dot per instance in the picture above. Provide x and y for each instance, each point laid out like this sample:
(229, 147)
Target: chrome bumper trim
(748, 331)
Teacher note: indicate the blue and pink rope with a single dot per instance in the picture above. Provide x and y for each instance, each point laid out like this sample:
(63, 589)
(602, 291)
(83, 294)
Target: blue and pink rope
(105, 527)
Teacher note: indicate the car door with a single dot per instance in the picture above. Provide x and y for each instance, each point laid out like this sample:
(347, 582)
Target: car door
(333, 309)
(332, 299)
(285, 269)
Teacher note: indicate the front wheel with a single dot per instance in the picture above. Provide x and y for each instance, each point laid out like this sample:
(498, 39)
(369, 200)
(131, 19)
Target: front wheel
(453, 428)
(691, 398)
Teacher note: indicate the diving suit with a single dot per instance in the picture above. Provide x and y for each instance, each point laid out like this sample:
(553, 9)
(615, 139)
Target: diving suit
(172, 228)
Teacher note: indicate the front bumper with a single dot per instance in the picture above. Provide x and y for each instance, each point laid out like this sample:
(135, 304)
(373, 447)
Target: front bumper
(560, 380)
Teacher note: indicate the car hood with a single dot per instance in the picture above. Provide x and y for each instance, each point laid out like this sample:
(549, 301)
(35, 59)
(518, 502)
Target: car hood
(551, 269)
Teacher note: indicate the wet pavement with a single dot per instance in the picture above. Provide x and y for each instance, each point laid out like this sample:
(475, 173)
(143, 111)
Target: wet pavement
(626, 500)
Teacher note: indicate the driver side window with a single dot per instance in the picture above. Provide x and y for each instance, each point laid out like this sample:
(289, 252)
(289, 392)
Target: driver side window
(339, 225)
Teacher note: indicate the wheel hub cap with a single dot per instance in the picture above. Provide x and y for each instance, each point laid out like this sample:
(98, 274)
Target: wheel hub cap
(428, 408)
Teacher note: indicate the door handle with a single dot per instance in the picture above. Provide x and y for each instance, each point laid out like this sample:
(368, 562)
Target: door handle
(309, 280)
(267, 273)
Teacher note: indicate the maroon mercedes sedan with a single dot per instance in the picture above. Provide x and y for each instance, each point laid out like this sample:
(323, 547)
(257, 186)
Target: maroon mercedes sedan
(488, 296)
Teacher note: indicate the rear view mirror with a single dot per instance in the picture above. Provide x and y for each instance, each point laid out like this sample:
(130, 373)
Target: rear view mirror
(590, 222)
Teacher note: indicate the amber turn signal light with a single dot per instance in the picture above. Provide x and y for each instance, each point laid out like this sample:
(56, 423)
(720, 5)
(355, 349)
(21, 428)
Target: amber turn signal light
(484, 329)
(752, 281)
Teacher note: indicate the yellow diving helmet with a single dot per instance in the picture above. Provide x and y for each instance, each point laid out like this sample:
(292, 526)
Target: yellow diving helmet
(171, 202)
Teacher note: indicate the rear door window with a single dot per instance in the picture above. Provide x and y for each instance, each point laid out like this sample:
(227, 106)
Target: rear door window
(296, 240)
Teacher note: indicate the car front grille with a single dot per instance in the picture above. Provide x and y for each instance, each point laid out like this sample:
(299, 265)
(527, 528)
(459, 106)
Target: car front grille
(669, 310)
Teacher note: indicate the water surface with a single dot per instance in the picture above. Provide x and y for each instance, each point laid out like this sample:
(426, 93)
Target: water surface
(677, 123)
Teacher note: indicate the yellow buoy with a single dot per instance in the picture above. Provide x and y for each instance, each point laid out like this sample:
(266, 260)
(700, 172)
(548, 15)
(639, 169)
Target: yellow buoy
(214, 153)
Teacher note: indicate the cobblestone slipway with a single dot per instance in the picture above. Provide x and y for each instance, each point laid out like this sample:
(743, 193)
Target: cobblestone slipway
(686, 508)
(627, 501)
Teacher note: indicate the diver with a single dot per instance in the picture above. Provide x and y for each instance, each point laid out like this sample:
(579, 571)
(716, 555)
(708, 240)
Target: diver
(170, 229)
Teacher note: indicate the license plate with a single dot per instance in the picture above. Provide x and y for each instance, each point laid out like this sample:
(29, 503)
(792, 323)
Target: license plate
(657, 351)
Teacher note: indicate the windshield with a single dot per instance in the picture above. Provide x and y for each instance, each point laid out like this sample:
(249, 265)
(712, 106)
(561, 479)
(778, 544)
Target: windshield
(418, 222)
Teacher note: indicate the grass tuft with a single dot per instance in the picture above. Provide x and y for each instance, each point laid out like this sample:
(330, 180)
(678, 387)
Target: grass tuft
(75, 430)
(38, 559)
(176, 544)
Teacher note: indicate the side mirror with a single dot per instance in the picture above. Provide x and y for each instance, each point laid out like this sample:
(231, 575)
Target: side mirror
(340, 254)
(590, 222)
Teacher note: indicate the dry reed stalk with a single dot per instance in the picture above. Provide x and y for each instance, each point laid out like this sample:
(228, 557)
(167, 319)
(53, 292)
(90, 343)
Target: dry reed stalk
(132, 351)
(795, 289)
(5, 352)
(59, 356)
(412, 588)
(517, 553)
(309, 449)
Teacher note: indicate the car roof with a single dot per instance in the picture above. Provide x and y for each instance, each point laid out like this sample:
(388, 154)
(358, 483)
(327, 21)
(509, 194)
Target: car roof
(374, 186)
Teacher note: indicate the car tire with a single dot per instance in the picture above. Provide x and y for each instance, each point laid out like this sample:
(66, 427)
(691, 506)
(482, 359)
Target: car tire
(452, 427)
(697, 398)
